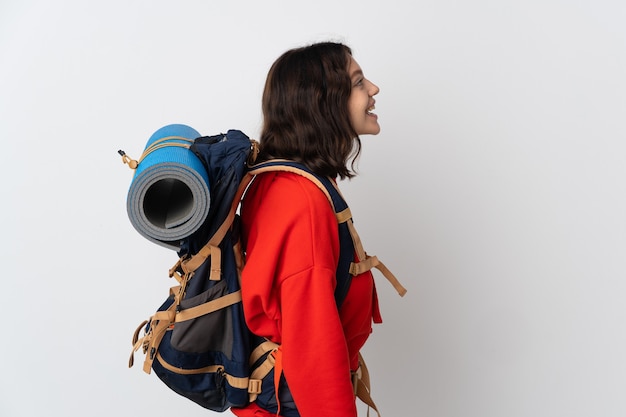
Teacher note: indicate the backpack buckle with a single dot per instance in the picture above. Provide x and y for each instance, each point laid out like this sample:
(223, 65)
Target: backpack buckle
(178, 271)
(356, 376)
(254, 386)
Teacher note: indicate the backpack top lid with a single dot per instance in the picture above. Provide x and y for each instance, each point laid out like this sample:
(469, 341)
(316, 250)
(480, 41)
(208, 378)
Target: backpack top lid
(224, 157)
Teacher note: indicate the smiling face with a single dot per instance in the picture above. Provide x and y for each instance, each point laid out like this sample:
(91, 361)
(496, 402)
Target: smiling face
(361, 102)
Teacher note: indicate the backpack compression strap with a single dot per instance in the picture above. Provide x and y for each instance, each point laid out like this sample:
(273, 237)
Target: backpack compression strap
(158, 144)
(211, 248)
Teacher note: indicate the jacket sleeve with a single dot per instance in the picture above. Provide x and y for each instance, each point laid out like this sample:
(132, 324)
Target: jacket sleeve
(288, 290)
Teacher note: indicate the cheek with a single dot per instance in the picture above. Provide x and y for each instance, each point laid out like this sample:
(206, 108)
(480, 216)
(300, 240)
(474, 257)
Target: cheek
(353, 110)
(356, 105)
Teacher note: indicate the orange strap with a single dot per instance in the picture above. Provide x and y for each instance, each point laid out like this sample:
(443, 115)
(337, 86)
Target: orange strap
(257, 375)
(278, 371)
(361, 384)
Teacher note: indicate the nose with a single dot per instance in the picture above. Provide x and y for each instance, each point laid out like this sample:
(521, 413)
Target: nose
(373, 89)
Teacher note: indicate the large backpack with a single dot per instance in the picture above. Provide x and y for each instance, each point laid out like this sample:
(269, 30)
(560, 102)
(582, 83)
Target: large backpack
(197, 341)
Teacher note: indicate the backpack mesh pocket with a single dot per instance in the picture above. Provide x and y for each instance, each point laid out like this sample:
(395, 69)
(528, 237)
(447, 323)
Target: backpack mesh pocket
(190, 336)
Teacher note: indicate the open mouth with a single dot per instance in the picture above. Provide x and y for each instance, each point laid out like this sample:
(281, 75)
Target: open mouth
(370, 110)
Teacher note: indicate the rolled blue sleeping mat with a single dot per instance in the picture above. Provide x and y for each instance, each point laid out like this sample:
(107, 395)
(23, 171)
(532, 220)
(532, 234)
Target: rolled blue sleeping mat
(169, 196)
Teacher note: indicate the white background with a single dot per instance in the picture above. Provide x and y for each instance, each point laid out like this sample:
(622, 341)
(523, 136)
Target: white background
(495, 192)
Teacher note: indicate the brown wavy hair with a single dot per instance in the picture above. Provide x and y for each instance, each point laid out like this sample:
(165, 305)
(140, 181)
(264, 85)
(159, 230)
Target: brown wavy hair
(305, 110)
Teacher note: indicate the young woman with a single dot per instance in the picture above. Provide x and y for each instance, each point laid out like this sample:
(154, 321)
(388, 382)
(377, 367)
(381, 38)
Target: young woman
(316, 103)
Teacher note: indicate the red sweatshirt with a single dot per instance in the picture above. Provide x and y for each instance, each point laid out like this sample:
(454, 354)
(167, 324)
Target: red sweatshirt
(291, 237)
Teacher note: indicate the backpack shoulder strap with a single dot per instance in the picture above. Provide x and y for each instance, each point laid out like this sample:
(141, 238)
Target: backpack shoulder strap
(326, 185)
(340, 208)
(344, 218)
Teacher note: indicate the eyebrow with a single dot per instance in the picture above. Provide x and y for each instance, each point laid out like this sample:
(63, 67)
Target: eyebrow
(356, 73)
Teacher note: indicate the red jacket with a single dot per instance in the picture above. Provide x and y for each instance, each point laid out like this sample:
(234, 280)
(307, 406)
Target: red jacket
(292, 246)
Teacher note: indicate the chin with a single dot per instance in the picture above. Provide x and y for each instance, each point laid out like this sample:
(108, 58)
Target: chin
(368, 129)
(372, 131)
